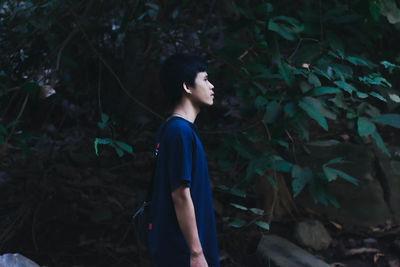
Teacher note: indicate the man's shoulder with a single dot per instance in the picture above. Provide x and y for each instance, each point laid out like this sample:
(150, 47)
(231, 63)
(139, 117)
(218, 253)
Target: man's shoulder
(179, 127)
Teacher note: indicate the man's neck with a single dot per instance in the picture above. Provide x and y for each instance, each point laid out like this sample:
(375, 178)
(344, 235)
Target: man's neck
(187, 110)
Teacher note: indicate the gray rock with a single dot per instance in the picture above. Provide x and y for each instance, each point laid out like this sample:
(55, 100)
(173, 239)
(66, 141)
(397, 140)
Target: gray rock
(312, 234)
(363, 205)
(390, 168)
(16, 260)
(276, 251)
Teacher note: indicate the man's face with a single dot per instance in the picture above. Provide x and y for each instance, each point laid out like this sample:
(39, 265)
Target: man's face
(202, 92)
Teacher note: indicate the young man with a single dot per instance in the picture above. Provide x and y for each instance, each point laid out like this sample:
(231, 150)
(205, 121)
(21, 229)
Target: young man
(183, 230)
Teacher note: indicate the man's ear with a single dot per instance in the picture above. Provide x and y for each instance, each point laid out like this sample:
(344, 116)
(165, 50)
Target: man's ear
(186, 88)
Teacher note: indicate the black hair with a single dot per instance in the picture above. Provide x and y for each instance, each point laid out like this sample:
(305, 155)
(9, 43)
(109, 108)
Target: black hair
(178, 69)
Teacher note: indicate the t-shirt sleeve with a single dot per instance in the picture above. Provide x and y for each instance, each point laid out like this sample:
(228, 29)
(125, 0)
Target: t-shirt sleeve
(179, 155)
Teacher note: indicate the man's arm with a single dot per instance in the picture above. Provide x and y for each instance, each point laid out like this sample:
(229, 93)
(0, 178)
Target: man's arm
(184, 210)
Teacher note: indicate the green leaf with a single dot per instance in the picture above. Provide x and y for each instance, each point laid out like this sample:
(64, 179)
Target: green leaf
(314, 114)
(102, 142)
(282, 165)
(330, 174)
(379, 143)
(290, 109)
(237, 192)
(272, 112)
(325, 90)
(388, 119)
(272, 182)
(339, 102)
(334, 161)
(257, 211)
(361, 95)
(261, 87)
(104, 117)
(101, 125)
(301, 178)
(357, 61)
(124, 146)
(119, 151)
(375, 94)
(389, 66)
(320, 106)
(313, 79)
(237, 223)
(260, 102)
(345, 86)
(284, 144)
(286, 73)
(263, 225)
(365, 126)
(222, 187)
(238, 206)
(286, 27)
(343, 175)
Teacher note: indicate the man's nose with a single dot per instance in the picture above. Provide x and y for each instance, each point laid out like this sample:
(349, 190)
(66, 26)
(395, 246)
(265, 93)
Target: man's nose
(211, 86)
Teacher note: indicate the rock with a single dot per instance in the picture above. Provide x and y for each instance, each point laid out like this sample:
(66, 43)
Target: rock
(390, 168)
(16, 260)
(361, 205)
(276, 251)
(312, 234)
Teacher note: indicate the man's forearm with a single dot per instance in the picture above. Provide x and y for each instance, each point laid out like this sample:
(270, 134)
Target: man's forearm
(185, 214)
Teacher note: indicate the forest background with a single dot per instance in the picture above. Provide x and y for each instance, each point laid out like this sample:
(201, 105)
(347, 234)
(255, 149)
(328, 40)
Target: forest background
(80, 103)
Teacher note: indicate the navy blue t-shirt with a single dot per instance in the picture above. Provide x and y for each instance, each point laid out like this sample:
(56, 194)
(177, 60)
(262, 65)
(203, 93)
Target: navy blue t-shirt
(181, 160)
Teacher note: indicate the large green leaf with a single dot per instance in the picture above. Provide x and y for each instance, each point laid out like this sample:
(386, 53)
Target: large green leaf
(377, 95)
(358, 61)
(365, 126)
(301, 178)
(286, 27)
(286, 73)
(345, 86)
(332, 174)
(237, 223)
(124, 146)
(316, 110)
(257, 211)
(313, 79)
(263, 225)
(388, 119)
(325, 90)
(314, 114)
(238, 206)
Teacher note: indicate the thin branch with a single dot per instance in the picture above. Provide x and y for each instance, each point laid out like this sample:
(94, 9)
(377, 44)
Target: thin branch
(13, 128)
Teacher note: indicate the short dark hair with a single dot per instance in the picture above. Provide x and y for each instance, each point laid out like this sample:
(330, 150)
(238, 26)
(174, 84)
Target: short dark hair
(178, 69)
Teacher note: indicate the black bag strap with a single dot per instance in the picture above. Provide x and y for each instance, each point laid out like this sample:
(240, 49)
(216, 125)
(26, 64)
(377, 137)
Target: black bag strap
(156, 149)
